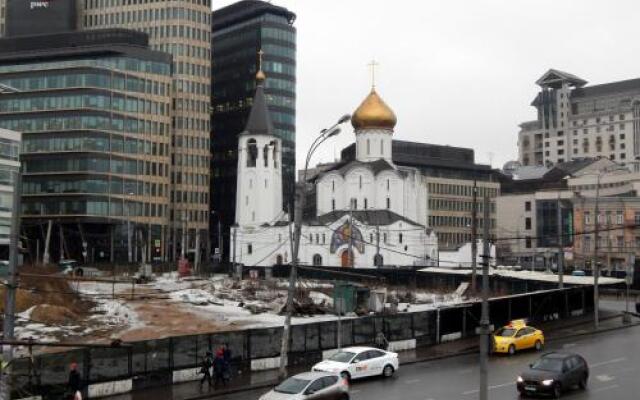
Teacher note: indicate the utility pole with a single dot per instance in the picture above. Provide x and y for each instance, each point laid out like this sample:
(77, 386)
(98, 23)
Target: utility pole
(351, 232)
(46, 257)
(233, 266)
(474, 233)
(485, 328)
(560, 246)
(12, 280)
(378, 246)
(595, 268)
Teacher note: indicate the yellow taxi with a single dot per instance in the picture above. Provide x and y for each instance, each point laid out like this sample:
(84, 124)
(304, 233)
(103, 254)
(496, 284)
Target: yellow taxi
(517, 336)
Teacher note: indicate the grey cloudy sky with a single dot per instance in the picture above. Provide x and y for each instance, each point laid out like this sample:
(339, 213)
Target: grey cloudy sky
(456, 72)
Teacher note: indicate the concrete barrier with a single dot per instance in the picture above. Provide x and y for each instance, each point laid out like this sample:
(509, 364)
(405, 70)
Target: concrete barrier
(402, 345)
(261, 364)
(186, 375)
(110, 388)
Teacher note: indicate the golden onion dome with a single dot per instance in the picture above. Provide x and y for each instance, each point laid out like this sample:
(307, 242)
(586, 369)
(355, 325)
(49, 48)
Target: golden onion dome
(260, 76)
(373, 113)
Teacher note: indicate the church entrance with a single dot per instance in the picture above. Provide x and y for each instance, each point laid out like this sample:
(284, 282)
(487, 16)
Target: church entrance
(344, 259)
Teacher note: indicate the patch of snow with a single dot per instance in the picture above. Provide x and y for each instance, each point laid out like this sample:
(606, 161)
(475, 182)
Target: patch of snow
(194, 296)
(319, 297)
(115, 313)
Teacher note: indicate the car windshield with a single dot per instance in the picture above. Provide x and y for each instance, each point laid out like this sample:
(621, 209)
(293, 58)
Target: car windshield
(506, 332)
(548, 364)
(342, 356)
(292, 386)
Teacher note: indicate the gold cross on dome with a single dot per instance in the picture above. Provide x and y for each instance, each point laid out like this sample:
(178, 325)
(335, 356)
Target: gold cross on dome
(373, 64)
(260, 54)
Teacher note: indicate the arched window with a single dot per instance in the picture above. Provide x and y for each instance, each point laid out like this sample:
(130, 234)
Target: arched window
(279, 259)
(252, 153)
(360, 181)
(265, 154)
(317, 260)
(333, 186)
(400, 238)
(365, 204)
(388, 203)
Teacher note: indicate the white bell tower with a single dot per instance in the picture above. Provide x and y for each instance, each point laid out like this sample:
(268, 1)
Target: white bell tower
(259, 184)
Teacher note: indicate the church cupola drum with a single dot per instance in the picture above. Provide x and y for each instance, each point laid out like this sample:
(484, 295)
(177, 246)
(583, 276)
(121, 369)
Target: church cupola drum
(259, 193)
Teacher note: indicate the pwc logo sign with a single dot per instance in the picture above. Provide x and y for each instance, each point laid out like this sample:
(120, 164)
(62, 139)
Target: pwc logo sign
(39, 4)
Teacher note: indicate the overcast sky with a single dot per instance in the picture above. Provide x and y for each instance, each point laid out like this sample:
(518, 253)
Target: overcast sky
(455, 72)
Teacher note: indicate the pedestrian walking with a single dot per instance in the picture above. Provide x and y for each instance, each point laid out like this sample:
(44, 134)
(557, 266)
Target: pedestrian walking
(207, 363)
(381, 341)
(74, 384)
(220, 369)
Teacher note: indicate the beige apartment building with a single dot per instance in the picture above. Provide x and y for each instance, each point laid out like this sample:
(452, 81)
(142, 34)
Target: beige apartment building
(181, 28)
(575, 121)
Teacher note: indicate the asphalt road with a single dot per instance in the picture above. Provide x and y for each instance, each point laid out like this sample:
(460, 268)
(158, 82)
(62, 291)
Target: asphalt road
(613, 357)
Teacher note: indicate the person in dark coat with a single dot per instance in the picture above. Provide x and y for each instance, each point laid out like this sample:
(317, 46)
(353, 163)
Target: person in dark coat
(220, 369)
(381, 341)
(207, 362)
(74, 385)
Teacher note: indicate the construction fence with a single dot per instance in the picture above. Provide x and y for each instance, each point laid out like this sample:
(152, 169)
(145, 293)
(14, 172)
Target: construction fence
(154, 362)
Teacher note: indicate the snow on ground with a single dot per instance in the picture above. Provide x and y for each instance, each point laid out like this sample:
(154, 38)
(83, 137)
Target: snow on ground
(114, 313)
(528, 275)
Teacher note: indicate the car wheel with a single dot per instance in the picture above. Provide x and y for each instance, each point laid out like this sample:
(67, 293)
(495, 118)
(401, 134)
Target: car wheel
(557, 391)
(512, 349)
(345, 375)
(583, 382)
(538, 345)
(387, 371)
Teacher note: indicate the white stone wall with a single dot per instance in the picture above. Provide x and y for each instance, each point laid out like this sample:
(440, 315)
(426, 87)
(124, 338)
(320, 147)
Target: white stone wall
(264, 246)
(373, 144)
(259, 188)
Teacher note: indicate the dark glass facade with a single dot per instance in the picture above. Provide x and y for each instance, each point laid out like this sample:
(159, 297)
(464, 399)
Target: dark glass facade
(96, 144)
(239, 32)
(547, 223)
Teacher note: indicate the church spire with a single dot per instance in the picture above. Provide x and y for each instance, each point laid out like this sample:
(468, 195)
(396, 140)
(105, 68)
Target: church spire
(259, 122)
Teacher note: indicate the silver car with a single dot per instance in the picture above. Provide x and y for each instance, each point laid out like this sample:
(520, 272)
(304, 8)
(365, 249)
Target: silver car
(310, 386)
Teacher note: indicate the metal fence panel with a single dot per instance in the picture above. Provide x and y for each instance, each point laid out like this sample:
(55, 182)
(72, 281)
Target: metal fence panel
(398, 327)
(313, 337)
(265, 342)
(364, 330)
(298, 338)
(158, 355)
(108, 364)
(54, 368)
(185, 351)
(328, 334)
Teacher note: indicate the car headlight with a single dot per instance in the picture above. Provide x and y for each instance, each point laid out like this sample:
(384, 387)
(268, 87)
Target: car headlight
(547, 382)
(519, 380)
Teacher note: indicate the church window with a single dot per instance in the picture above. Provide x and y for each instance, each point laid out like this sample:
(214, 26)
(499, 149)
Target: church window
(253, 215)
(323, 238)
(371, 238)
(381, 147)
(249, 248)
(368, 146)
(365, 204)
(360, 181)
(388, 184)
(317, 260)
(333, 204)
(317, 238)
(354, 204)
(265, 154)
(333, 186)
(252, 153)
(400, 238)
(384, 237)
(388, 203)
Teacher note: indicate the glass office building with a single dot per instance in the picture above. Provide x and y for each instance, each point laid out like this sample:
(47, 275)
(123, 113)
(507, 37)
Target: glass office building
(239, 32)
(93, 110)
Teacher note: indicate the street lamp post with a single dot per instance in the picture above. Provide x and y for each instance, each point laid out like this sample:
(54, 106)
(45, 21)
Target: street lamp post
(299, 207)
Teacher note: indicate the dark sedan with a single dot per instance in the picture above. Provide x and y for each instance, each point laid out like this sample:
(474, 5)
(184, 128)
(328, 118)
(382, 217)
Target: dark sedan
(552, 374)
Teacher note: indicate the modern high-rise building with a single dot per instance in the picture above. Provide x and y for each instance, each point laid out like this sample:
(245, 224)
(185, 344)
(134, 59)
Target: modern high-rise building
(576, 121)
(93, 110)
(239, 32)
(181, 28)
(9, 168)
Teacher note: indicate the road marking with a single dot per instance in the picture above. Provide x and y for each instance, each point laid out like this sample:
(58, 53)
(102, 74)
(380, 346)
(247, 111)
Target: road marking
(615, 360)
(468, 392)
(412, 381)
(569, 345)
(602, 389)
(605, 378)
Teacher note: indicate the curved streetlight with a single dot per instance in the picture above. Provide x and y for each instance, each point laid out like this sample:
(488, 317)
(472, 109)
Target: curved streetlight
(297, 223)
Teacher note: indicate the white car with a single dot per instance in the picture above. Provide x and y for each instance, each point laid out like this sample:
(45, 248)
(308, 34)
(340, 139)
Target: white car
(359, 362)
(310, 386)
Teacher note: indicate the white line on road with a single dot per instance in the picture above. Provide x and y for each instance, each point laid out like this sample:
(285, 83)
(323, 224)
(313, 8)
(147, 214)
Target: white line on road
(615, 360)
(468, 392)
(602, 389)
(412, 381)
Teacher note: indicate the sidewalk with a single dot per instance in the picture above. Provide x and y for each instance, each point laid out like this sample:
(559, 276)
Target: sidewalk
(554, 330)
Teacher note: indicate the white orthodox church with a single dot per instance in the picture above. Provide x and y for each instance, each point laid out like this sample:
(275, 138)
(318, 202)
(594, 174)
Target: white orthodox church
(367, 206)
